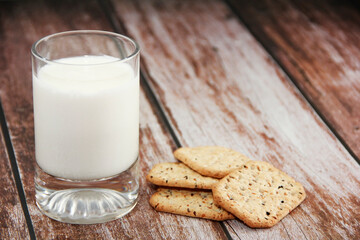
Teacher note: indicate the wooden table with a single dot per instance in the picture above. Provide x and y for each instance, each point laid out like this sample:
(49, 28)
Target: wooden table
(276, 80)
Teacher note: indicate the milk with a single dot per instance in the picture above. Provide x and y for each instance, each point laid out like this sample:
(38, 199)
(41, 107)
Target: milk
(86, 113)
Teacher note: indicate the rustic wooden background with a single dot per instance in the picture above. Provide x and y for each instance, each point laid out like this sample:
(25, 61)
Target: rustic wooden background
(276, 80)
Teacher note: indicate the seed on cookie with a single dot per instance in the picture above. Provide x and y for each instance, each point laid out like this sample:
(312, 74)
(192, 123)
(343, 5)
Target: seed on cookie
(188, 203)
(211, 161)
(178, 175)
(258, 194)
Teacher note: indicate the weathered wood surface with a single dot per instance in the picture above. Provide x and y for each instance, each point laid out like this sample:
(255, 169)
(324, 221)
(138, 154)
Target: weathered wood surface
(24, 22)
(317, 42)
(12, 223)
(217, 85)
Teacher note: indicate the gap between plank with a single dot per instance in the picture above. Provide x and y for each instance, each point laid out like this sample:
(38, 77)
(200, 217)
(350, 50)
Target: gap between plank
(15, 170)
(292, 80)
(120, 28)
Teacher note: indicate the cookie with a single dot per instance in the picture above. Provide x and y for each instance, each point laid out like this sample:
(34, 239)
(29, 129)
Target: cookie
(258, 194)
(189, 203)
(178, 175)
(211, 161)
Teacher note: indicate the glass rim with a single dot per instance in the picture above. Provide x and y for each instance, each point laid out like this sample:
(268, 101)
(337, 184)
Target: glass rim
(37, 55)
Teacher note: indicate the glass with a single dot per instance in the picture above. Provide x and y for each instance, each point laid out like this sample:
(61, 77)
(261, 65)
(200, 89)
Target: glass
(86, 120)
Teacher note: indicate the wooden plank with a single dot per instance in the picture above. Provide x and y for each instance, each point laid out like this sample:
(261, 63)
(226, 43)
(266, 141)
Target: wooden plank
(23, 23)
(217, 85)
(317, 42)
(13, 223)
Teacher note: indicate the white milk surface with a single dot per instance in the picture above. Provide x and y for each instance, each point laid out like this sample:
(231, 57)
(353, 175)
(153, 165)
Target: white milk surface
(86, 117)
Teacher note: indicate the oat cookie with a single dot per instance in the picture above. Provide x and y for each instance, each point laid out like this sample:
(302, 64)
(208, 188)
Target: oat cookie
(178, 175)
(258, 194)
(189, 203)
(211, 161)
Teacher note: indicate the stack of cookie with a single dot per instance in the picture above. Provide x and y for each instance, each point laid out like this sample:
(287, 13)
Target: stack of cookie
(253, 191)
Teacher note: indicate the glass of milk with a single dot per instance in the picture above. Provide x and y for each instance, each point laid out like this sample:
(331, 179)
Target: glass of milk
(86, 118)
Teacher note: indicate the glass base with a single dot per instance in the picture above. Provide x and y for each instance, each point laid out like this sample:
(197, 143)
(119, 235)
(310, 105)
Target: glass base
(87, 202)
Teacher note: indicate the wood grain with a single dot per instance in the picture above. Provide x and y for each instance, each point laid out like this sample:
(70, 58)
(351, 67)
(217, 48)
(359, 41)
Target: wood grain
(23, 23)
(217, 85)
(317, 42)
(12, 223)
